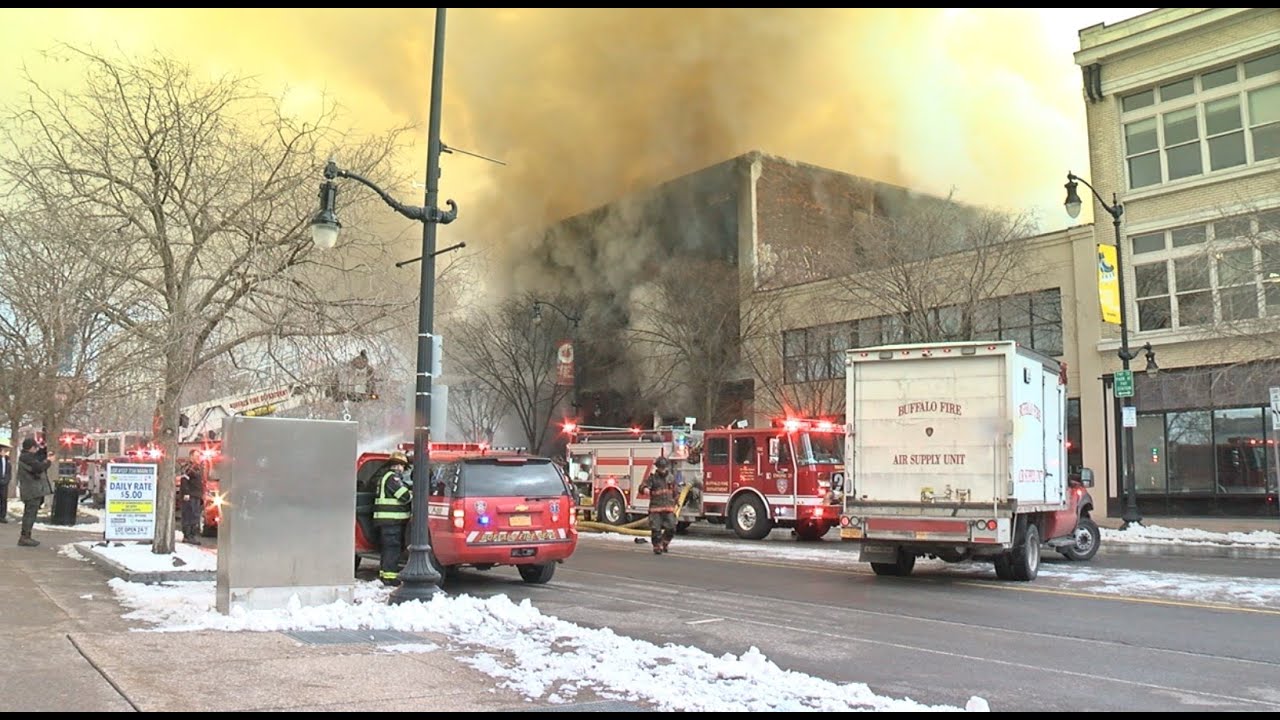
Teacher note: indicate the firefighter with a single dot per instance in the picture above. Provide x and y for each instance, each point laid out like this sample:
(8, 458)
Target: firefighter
(661, 485)
(391, 512)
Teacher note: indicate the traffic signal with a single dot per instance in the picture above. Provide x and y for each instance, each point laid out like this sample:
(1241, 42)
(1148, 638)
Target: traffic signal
(1155, 456)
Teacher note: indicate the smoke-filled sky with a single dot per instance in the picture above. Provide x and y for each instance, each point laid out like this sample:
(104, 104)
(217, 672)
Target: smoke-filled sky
(587, 105)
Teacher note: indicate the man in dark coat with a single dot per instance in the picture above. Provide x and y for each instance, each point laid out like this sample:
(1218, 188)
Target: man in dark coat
(33, 485)
(192, 494)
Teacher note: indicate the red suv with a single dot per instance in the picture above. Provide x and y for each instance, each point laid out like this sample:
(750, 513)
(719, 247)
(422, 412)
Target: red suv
(485, 510)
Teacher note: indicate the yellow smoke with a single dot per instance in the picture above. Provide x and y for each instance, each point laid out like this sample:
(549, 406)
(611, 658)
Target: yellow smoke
(585, 106)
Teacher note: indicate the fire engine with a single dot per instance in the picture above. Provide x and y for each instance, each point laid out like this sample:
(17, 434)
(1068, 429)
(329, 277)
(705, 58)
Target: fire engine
(788, 475)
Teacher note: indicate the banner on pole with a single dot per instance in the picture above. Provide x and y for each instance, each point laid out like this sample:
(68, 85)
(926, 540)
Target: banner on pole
(1108, 284)
(564, 363)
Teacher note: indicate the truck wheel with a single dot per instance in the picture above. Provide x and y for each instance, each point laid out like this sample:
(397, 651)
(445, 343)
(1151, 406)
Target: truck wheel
(811, 531)
(750, 521)
(612, 509)
(537, 574)
(1004, 567)
(1088, 538)
(1026, 557)
(905, 563)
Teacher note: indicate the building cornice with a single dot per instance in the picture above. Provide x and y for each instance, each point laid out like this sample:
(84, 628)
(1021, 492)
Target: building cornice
(1103, 43)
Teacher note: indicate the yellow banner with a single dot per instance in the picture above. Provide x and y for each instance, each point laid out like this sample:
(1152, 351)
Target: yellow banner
(1108, 284)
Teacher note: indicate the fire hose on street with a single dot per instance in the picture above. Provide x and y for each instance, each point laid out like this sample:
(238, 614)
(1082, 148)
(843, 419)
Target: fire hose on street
(638, 528)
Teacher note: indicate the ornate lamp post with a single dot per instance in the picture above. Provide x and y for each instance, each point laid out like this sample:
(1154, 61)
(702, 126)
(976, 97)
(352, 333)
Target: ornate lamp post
(419, 580)
(1073, 204)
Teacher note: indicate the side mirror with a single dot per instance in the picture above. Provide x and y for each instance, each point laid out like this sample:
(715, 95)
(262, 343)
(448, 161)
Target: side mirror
(1086, 477)
(773, 450)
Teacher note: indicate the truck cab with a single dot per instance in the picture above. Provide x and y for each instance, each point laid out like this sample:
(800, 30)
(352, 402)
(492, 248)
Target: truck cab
(785, 475)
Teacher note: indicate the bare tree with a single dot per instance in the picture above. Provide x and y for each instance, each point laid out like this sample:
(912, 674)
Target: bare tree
(687, 328)
(477, 409)
(200, 193)
(506, 352)
(53, 309)
(930, 264)
(776, 393)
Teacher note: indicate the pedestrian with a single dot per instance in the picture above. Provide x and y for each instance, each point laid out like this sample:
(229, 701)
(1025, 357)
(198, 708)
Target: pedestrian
(661, 485)
(392, 507)
(33, 485)
(6, 470)
(192, 488)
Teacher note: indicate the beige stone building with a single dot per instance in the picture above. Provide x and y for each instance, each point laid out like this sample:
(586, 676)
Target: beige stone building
(1183, 111)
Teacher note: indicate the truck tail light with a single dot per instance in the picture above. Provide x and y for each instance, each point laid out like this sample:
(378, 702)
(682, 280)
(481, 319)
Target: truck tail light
(459, 515)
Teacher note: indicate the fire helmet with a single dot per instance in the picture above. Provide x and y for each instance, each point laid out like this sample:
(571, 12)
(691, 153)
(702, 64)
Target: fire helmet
(661, 463)
(398, 457)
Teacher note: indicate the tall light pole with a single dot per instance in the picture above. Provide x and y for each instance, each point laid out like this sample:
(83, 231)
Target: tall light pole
(1073, 204)
(574, 320)
(419, 580)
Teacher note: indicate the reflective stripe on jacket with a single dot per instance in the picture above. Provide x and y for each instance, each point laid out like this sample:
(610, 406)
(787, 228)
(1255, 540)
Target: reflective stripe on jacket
(662, 492)
(392, 502)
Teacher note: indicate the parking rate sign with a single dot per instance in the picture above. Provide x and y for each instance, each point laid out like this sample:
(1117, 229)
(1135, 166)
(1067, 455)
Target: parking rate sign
(131, 501)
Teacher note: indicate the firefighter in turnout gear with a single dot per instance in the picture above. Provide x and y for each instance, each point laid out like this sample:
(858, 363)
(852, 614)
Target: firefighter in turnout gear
(391, 512)
(661, 485)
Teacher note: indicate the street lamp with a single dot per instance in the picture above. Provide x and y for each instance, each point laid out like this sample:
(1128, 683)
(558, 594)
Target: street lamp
(419, 580)
(574, 320)
(1073, 204)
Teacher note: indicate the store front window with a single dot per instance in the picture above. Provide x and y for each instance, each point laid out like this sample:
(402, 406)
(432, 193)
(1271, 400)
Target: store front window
(1190, 440)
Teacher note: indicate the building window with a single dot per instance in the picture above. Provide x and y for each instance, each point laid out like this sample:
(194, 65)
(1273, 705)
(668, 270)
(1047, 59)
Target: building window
(1204, 453)
(1221, 272)
(1189, 437)
(1034, 320)
(1225, 118)
(1075, 436)
(817, 353)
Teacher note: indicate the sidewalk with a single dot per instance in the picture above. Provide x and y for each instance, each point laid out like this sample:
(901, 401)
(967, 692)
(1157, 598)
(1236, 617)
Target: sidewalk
(70, 650)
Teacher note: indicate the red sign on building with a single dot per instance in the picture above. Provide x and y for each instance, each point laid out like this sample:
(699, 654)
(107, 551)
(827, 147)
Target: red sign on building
(564, 362)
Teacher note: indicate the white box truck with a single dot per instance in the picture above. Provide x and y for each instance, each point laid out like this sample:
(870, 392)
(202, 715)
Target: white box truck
(958, 451)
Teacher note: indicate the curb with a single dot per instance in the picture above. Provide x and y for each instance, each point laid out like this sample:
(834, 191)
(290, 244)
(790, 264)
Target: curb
(148, 577)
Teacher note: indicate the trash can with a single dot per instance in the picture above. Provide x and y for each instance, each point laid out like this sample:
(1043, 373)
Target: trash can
(65, 500)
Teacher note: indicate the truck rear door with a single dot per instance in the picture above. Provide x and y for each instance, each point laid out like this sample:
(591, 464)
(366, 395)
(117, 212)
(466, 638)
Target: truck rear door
(928, 423)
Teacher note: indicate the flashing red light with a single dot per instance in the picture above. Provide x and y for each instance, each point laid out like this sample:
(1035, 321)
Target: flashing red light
(571, 427)
(155, 453)
(208, 455)
(636, 430)
(791, 424)
(826, 426)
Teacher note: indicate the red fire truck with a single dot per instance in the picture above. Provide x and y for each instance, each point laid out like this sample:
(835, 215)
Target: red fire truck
(788, 475)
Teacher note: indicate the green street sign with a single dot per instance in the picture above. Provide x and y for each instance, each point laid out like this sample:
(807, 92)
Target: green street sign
(1123, 387)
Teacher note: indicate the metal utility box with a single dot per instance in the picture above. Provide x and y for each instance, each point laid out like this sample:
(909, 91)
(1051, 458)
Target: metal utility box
(288, 499)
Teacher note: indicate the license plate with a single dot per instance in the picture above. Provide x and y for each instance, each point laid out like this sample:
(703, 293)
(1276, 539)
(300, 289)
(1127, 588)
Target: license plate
(518, 521)
(524, 552)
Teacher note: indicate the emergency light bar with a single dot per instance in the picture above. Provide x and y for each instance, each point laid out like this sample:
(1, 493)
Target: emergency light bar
(796, 424)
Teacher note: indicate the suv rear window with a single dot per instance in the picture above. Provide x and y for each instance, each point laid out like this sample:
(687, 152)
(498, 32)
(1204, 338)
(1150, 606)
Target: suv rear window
(528, 478)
